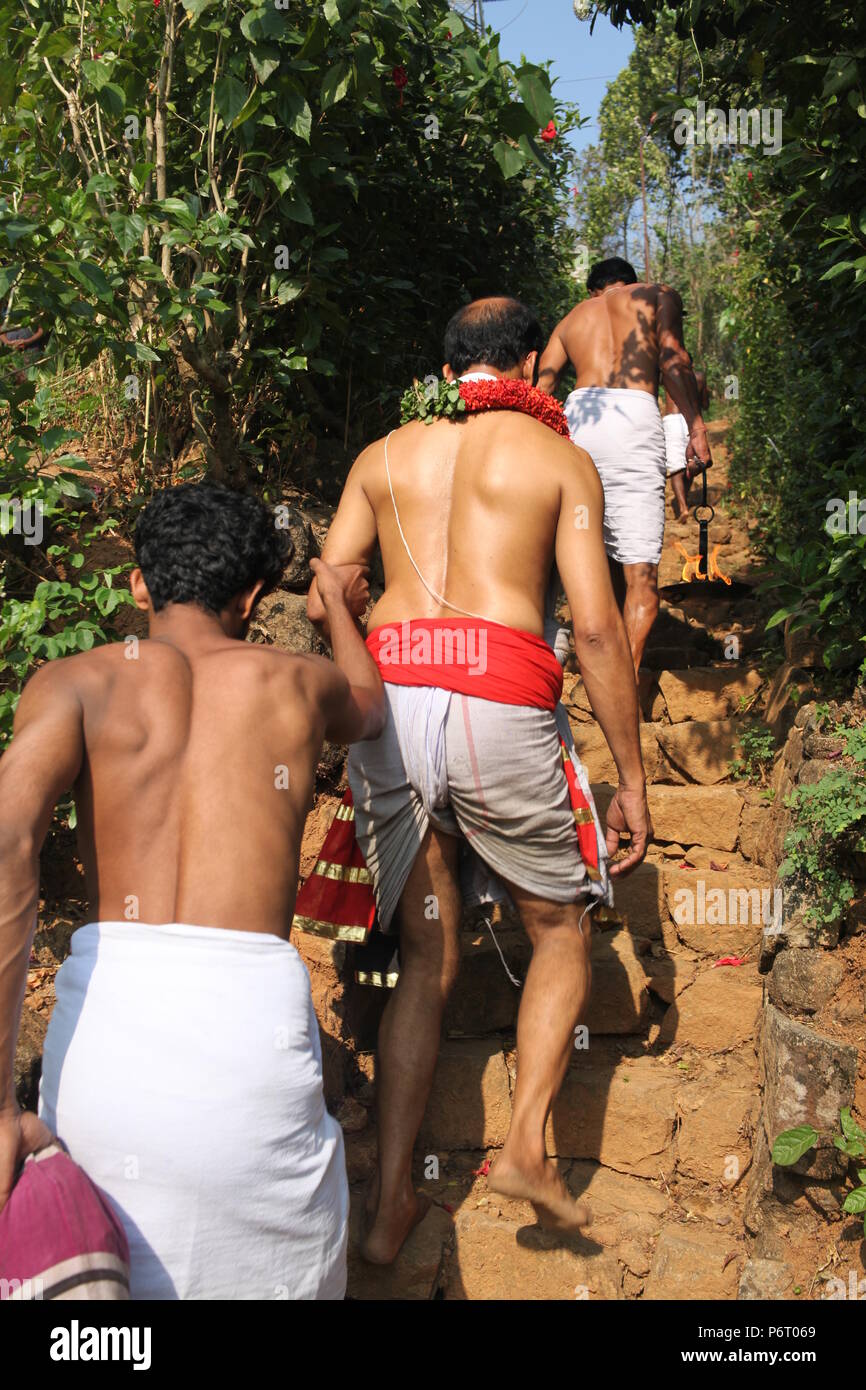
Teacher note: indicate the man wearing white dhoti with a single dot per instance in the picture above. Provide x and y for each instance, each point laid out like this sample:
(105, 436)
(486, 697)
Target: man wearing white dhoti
(620, 341)
(182, 1065)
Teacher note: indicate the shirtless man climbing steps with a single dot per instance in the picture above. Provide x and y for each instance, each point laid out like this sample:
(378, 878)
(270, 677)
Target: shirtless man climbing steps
(621, 342)
(182, 1065)
(471, 515)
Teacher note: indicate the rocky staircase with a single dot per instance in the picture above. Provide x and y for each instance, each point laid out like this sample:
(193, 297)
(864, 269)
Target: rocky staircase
(655, 1120)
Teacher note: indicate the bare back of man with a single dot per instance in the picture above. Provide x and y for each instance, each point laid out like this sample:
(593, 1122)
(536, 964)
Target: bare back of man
(182, 743)
(613, 339)
(486, 505)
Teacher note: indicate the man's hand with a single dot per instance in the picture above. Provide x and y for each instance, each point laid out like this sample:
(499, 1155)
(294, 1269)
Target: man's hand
(698, 456)
(628, 813)
(20, 1134)
(338, 584)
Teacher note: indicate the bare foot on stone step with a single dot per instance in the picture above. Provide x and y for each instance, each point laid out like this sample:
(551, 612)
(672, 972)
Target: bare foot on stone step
(386, 1231)
(551, 1200)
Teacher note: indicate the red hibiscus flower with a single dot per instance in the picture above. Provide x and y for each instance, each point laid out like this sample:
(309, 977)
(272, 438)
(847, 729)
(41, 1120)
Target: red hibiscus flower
(549, 132)
(400, 78)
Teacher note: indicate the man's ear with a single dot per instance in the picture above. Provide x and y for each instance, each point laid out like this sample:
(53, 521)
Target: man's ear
(530, 368)
(139, 591)
(448, 373)
(246, 601)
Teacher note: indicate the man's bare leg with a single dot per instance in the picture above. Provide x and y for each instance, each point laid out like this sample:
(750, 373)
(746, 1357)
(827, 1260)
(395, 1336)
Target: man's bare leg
(641, 606)
(681, 495)
(554, 997)
(409, 1040)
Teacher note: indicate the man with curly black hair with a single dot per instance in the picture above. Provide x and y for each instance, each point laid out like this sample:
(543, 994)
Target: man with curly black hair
(182, 1065)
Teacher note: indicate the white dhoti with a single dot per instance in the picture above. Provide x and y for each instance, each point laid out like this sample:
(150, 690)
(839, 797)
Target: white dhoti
(676, 439)
(182, 1070)
(622, 432)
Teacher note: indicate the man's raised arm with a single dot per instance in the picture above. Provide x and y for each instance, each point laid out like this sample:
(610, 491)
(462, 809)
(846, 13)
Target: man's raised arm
(354, 693)
(603, 652)
(553, 361)
(349, 544)
(678, 377)
(42, 762)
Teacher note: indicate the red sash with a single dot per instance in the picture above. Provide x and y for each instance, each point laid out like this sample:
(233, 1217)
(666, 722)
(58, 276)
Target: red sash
(470, 657)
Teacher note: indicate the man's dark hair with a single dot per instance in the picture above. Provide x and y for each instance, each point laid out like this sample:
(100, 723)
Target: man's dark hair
(500, 332)
(202, 543)
(610, 272)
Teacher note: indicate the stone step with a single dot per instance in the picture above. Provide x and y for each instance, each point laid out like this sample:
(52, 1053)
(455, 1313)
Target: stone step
(619, 1111)
(707, 692)
(688, 815)
(484, 1000)
(497, 1258)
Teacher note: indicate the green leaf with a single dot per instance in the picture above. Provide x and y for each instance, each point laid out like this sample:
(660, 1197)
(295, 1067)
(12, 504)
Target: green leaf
(336, 83)
(841, 73)
(791, 1145)
(128, 231)
(230, 97)
(281, 177)
(249, 108)
(294, 112)
(111, 98)
(850, 1127)
(537, 97)
(264, 61)
(855, 1202)
(297, 208)
(510, 160)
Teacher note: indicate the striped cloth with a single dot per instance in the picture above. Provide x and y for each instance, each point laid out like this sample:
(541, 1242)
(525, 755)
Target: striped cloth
(59, 1238)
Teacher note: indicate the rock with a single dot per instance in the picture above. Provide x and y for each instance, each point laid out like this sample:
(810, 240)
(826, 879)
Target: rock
(714, 1143)
(619, 1001)
(706, 692)
(718, 1011)
(484, 1000)
(639, 899)
(618, 1111)
(701, 749)
(691, 1265)
(623, 1207)
(416, 1272)
(297, 574)
(27, 1063)
(669, 976)
(855, 922)
(281, 618)
(807, 1080)
(634, 1257)
(499, 1259)
(802, 648)
(787, 690)
(322, 959)
(352, 1116)
(754, 842)
(470, 1103)
(765, 1279)
(804, 980)
(597, 758)
(719, 913)
(696, 815)
(361, 1154)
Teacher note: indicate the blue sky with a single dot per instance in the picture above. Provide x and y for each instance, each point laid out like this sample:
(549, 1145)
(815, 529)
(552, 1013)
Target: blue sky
(542, 29)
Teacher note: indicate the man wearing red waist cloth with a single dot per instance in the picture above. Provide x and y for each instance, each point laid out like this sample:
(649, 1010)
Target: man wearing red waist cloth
(473, 783)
